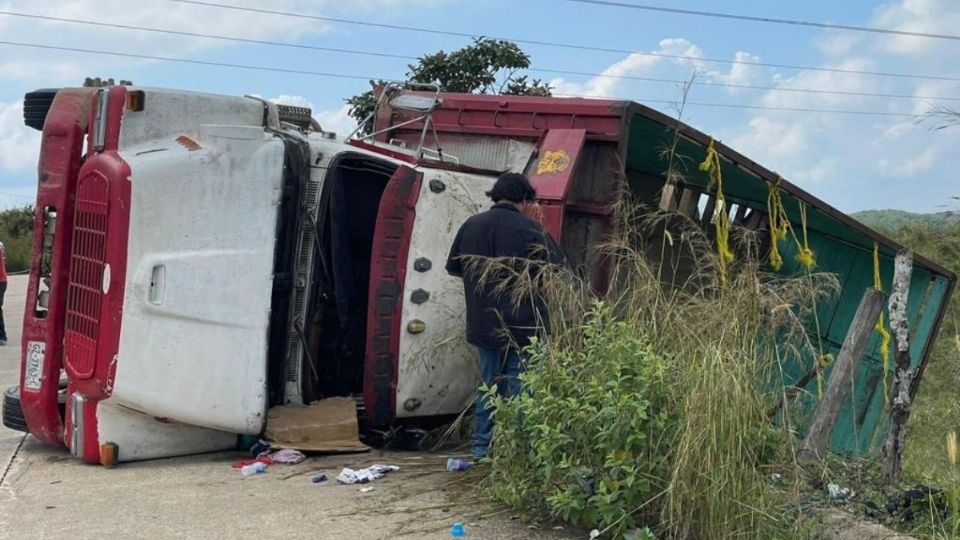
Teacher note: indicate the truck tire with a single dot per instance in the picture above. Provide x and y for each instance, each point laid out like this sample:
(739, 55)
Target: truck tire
(13, 412)
(36, 104)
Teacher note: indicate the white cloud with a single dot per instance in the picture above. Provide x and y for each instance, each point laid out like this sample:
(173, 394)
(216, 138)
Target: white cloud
(919, 16)
(740, 73)
(606, 85)
(862, 161)
(19, 145)
(337, 120)
(30, 67)
(296, 101)
(917, 164)
(62, 67)
(611, 79)
(776, 140)
(837, 43)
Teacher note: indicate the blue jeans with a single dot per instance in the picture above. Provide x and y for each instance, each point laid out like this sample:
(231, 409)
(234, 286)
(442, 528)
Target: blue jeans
(501, 367)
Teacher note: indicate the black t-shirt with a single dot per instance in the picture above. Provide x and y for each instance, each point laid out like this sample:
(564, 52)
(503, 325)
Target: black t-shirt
(502, 231)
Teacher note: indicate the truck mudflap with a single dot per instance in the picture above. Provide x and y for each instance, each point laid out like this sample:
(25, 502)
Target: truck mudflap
(391, 246)
(65, 129)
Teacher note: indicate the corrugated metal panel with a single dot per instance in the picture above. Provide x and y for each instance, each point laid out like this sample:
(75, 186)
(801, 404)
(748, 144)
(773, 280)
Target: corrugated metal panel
(480, 151)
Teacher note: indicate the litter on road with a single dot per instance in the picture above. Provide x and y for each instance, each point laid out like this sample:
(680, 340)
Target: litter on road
(362, 476)
(287, 456)
(457, 464)
(257, 467)
(249, 461)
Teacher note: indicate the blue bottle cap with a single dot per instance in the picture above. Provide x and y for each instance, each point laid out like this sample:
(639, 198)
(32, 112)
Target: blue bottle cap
(457, 530)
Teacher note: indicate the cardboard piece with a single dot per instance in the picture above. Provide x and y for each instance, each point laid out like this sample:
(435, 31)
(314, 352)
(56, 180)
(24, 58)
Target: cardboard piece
(328, 425)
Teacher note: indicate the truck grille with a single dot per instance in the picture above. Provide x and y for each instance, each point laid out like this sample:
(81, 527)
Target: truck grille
(85, 289)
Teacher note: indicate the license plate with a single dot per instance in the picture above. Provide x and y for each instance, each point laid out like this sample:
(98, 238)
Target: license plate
(34, 375)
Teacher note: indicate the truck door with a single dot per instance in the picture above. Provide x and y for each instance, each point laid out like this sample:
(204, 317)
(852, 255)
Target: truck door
(388, 270)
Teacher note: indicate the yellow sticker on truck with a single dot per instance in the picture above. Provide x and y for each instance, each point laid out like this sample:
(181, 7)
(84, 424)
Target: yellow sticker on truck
(553, 161)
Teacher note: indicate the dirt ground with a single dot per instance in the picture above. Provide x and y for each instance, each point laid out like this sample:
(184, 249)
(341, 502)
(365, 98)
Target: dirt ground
(46, 493)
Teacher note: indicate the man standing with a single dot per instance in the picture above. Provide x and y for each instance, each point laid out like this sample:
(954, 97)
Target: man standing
(499, 324)
(3, 292)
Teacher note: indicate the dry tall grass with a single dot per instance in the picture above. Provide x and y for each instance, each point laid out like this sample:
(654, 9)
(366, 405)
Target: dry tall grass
(725, 345)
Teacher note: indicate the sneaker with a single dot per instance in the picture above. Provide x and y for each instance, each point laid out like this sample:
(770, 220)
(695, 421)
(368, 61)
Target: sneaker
(3, 342)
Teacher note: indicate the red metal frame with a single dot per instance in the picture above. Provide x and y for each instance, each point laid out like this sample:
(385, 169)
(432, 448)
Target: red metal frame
(510, 116)
(60, 158)
(106, 209)
(553, 182)
(71, 121)
(96, 383)
(388, 269)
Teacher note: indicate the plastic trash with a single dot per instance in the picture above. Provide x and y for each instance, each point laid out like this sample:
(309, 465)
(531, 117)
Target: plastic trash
(457, 530)
(320, 478)
(839, 493)
(287, 456)
(362, 476)
(256, 467)
(259, 447)
(457, 464)
(239, 464)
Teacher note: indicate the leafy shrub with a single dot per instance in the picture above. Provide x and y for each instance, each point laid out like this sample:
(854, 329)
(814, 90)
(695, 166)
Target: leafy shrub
(650, 406)
(585, 439)
(16, 233)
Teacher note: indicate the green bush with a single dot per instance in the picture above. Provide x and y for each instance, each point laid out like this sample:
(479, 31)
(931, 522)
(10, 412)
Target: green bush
(649, 407)
(16, 233)
(585, 439)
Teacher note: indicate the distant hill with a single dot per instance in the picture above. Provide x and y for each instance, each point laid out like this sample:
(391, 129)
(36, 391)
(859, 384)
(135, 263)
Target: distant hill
(894, 220)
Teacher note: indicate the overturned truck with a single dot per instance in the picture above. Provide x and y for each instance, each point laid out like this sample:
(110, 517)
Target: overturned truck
(200, 259)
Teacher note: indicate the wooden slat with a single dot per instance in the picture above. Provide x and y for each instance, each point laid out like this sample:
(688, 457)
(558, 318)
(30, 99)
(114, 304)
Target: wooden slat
(814, 446)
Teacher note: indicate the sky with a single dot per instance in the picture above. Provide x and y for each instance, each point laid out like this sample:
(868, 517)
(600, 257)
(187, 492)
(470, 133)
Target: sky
(895, 159)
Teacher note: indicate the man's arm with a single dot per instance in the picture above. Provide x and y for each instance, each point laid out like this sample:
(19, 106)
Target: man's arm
(543, 247)
(554, 253)
(454, 264)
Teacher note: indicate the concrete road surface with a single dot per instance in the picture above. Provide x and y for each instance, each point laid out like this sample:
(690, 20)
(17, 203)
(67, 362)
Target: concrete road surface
(45, 493)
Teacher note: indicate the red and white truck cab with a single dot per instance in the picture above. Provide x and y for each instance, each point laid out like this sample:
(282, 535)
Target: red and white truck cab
(202, 258)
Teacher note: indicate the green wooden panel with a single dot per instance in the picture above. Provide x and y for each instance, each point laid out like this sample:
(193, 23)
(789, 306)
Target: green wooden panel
(840, 250)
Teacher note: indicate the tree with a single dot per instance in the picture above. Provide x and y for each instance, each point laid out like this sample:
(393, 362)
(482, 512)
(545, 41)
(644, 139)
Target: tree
(16, 233)
(487, 66)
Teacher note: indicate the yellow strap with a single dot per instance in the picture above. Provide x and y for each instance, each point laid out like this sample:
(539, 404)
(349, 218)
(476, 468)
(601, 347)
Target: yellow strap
(822, 363)
(721, 218)
(779, 227)
(779, 224)
(805, 255)
(881, 328)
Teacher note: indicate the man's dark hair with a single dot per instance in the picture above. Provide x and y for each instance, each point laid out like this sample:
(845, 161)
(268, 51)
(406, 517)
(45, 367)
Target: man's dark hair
(512, 187)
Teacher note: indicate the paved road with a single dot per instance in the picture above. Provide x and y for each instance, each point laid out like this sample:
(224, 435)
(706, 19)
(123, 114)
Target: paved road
(48, 494)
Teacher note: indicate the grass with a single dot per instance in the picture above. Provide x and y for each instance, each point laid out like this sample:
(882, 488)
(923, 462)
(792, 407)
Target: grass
(708, 446)
(936, 408)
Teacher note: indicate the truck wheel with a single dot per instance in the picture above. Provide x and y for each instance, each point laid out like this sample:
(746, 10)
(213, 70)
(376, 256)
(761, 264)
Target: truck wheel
(35, 107)
(13, 412)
